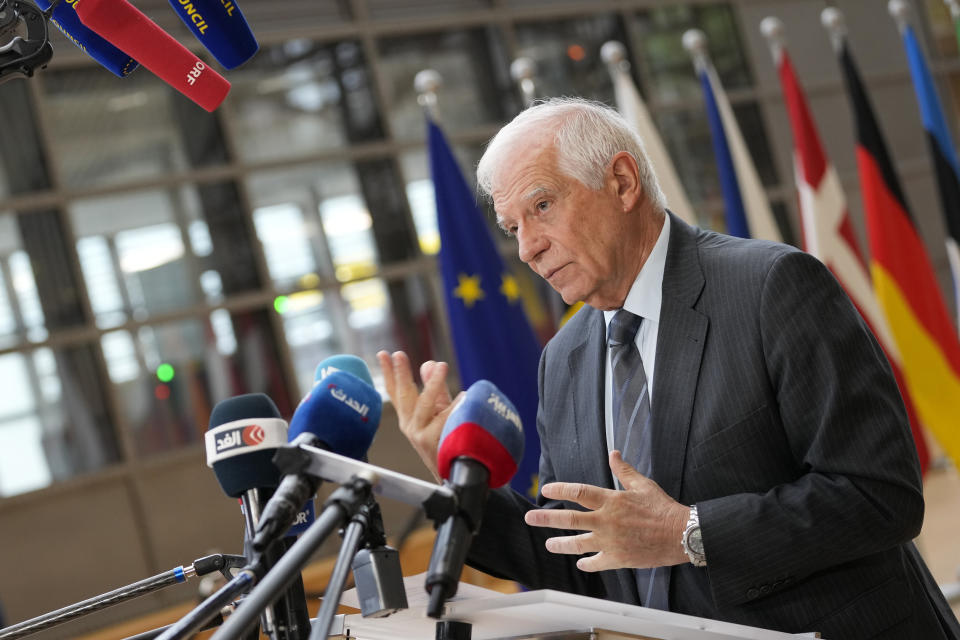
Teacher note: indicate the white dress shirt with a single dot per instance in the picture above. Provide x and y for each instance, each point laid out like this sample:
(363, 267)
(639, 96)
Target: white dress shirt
(644, 300)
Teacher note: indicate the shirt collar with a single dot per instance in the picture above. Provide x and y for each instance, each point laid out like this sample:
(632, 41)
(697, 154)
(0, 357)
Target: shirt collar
(646, 294)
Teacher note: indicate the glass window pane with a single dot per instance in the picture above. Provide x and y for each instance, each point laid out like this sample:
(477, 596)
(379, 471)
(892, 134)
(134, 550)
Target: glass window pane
(53, 424)
(567, 55)
(21, 314)
(476, 89)
(148, 252)
(660, 35)
(301, 97)
(313, 223)
(138, 126)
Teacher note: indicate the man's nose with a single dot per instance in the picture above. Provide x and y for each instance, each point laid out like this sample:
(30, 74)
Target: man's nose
(530, 244)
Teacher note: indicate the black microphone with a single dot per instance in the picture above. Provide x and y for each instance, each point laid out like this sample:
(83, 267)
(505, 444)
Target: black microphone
(480, 447)
(244, 434)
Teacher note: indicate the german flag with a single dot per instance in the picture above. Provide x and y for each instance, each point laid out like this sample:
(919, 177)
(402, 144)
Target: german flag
(903, 276)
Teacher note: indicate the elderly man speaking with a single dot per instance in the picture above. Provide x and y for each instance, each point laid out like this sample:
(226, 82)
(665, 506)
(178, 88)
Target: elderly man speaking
(721, 433)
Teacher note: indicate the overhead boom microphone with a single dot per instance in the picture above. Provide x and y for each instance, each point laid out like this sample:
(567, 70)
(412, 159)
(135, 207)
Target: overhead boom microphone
(129, 29)
(64, 17)
(220, 27)
(480, 447)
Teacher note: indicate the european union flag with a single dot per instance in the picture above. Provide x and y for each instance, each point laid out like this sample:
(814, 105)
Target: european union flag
(491, 335)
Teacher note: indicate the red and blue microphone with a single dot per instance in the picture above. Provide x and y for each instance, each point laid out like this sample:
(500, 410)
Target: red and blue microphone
(130, 30)
(480, 447)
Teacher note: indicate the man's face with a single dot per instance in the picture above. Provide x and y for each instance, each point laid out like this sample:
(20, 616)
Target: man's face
(572, 236)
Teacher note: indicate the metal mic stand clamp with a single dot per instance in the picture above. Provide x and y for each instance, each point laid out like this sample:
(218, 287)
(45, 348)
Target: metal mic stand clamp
(24, 55)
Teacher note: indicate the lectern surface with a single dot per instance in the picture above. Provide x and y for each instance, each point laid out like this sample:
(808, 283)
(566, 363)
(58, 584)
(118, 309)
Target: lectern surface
(520, 615)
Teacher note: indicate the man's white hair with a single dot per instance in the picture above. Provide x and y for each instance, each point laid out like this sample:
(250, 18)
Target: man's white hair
(586, 136)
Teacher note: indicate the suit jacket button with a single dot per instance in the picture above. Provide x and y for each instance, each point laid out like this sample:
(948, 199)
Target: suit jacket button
(765, 588)
(752, 593)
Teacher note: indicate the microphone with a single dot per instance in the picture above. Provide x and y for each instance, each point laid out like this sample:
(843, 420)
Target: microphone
(241, 441)
(480, 447)
(340, 414)
(65, 18)
(220, 27)
(128, 29)
(343, 362)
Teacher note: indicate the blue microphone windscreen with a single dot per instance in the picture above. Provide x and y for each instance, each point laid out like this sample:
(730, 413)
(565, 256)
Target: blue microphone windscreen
(65, 18)
(220, 27)
(486, 427)
(342, 411)
(343, 362)
(241, 441)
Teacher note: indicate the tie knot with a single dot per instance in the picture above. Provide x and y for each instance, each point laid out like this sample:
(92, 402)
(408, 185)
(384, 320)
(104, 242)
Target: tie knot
(623, 328)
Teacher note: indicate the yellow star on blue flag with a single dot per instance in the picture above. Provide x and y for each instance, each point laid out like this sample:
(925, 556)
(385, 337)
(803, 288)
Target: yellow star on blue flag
(468, 289)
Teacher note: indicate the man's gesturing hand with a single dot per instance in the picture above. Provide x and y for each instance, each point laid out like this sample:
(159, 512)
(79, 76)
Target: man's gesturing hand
(638, 527)
(421, 415)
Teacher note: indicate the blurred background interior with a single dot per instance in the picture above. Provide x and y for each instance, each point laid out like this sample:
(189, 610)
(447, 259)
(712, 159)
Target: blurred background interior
(156, 258)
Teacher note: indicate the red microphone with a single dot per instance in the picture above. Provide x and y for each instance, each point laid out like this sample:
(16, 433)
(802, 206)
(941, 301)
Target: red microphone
(128, 29)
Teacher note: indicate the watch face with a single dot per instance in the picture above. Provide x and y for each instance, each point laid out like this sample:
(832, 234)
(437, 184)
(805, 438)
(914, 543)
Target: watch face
(696, 541)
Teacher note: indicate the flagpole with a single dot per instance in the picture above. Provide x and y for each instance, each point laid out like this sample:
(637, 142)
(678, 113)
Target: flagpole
(426, 83)
(772, 29)
(522, 71)
(832, 20)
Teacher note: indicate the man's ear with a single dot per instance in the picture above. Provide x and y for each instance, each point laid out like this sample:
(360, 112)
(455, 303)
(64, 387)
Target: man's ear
(625, 176)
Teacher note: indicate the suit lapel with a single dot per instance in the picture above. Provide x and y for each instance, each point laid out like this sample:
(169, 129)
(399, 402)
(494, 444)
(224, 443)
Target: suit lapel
(680, 342)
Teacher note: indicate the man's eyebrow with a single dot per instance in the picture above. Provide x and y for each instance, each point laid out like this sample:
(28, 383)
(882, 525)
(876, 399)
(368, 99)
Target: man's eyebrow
(533, 193)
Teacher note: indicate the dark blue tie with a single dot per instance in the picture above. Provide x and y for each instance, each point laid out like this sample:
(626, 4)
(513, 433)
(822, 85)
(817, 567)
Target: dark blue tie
(631, 430)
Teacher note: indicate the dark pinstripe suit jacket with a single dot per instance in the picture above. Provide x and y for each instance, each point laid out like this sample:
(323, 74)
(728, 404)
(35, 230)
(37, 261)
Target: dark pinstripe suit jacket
(775, 411)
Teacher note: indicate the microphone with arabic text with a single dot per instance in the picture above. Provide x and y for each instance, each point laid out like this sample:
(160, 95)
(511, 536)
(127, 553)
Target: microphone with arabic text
(130, 30)
(65, 18)
(480, 447)
(220, 27)
(243, 436)
(341, 414)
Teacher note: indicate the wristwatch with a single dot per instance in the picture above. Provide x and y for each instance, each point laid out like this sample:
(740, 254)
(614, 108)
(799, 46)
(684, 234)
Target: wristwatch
(692, 540)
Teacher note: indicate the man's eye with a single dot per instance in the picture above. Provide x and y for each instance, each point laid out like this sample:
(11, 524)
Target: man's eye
(543, 205)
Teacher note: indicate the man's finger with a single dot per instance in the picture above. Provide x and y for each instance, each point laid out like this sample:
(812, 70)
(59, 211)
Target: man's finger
(559, 519)
(429, 369)
(386, 367)
(434, 391)
(575, 545)
(596, 562)
(585, 495)
(628, 476)
(405, 391)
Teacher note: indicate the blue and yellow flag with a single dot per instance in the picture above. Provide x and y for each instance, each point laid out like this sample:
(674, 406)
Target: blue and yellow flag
(491, 335)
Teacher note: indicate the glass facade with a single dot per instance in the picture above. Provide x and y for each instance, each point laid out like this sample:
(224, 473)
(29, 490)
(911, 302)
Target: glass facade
(156, 258)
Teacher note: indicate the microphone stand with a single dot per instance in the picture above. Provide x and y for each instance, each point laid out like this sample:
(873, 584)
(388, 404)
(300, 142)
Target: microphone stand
(331, 596)
(202, 566)
(209, 608)
(152, 634)
(341, 504)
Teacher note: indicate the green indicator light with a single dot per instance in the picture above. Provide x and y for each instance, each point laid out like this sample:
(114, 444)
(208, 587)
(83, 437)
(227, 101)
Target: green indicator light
(165, 372)
(280, 304)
